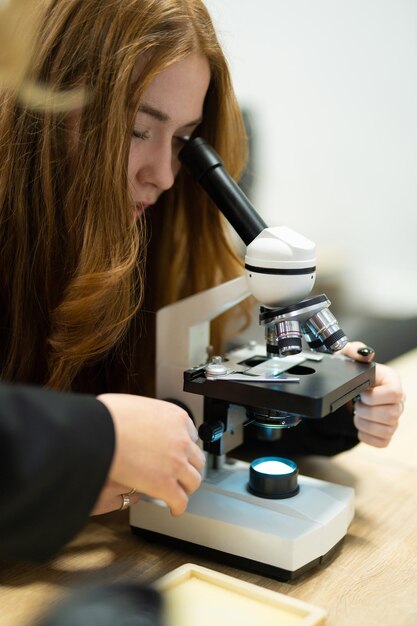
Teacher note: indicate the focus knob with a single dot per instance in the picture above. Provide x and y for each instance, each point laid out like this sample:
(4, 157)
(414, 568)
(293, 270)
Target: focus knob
(210, 432)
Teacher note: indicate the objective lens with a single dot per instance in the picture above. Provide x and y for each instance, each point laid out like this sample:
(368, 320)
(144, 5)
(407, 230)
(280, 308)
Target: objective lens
(323, 333)
(283, 338)
(273, 477)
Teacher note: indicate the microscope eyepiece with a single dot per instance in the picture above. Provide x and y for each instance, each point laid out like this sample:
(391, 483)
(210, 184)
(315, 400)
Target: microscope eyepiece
(206, 167)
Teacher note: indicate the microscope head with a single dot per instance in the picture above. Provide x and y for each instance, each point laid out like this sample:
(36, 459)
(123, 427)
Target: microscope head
(280, 267)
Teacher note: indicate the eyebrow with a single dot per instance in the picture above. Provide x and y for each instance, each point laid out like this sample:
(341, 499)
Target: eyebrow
(163, 117)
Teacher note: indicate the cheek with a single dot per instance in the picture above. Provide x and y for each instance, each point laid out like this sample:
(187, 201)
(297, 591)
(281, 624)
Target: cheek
(132, 163)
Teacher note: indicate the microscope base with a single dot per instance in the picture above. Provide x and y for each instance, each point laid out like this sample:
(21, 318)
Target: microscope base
(278, 538)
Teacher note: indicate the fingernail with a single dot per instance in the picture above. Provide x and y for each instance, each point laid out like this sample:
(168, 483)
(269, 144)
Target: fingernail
(366, 351)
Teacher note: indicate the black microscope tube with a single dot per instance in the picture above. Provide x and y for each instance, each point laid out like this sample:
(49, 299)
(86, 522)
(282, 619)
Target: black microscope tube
(206, 167)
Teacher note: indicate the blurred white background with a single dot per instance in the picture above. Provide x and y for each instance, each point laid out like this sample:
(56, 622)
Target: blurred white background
(331, 89)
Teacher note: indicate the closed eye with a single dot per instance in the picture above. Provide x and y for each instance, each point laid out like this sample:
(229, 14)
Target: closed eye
(141, 135)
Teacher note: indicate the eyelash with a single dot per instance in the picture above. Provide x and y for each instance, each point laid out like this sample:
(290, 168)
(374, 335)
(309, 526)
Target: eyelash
(137, 134)
(143, 136)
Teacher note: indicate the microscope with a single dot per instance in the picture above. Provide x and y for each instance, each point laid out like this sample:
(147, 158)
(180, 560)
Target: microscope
(263, 516)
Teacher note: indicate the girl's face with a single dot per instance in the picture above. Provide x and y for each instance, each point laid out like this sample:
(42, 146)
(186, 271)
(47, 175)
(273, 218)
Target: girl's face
(171, 107)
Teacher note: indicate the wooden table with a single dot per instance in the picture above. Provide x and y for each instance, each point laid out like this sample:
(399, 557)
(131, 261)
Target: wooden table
(372, 581)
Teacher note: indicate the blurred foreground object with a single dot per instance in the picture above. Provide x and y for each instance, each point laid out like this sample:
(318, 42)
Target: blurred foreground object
(122, 604)
(19, 27)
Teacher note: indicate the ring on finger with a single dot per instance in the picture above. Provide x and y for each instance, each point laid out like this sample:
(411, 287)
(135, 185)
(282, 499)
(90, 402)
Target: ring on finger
(125, 501)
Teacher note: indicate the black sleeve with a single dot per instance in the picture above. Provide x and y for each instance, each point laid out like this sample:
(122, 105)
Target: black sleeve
(326, 436)
(55, 453)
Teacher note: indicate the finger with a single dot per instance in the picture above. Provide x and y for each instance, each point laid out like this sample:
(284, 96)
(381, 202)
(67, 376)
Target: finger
(374, 433)
(178, 501)
(382, 413)
(359, 351)
(196, 457)
(134, 498)
(109, 503)
(192, 431)
(372, 440)
(117, 487)
(176, 494)
(387, 388)
(382, 395)
(381, 430)
(190, 479)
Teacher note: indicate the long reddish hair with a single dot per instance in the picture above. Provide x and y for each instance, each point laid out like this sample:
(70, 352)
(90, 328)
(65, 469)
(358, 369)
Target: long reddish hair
(74, 269)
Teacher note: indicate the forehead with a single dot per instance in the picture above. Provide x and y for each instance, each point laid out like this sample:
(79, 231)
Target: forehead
(179, 90)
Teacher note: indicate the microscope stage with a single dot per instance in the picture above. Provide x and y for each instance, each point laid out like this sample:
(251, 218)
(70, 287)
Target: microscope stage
(325, 384)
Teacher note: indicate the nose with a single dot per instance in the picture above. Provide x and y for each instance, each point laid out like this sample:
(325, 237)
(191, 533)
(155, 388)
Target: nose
(160, 168)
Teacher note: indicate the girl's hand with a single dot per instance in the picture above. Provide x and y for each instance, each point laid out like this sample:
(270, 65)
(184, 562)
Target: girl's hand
(377, 412)
(156, 451)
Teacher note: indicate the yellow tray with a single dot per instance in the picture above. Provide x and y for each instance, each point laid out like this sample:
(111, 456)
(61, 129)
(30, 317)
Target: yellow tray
(197, 596)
